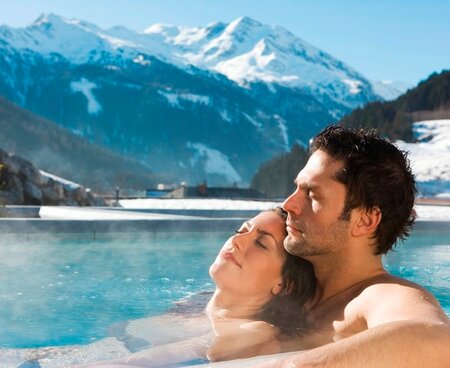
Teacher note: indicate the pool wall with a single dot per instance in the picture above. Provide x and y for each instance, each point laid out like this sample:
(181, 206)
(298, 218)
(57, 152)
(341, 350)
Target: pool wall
(33, 226)
(33, 220)
(96, 220)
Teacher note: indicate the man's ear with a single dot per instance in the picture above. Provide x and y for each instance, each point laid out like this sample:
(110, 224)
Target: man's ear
(367, 222)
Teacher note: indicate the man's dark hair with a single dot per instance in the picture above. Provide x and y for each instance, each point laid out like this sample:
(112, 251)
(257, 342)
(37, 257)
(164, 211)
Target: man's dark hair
(377, 175)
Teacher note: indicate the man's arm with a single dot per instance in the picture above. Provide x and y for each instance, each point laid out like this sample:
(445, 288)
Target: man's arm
(406, 327)
(396, 344)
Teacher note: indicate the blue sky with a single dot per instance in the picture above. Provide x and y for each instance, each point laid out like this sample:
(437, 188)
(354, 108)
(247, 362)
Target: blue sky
(400, 40)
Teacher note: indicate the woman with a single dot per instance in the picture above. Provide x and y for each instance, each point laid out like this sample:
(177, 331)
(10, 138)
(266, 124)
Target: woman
(259, 298)
(259, 282)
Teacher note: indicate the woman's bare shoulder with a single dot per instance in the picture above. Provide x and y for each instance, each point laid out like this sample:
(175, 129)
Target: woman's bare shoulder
(168, 328)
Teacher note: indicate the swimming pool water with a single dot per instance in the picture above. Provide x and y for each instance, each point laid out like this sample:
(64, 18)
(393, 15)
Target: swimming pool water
(425, 259)
(66, 290)
(69, 291)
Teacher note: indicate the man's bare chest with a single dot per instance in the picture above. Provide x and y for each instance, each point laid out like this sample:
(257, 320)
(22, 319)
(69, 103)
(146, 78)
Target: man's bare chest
(338, 318)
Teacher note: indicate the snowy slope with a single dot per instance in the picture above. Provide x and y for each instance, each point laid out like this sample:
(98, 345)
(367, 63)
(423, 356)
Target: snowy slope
(390, 90)
(248, 51)
(244, 50)
(430, 156)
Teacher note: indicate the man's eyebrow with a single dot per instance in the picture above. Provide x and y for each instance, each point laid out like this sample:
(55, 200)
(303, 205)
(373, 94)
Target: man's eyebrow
(313, 187)
(338, 175)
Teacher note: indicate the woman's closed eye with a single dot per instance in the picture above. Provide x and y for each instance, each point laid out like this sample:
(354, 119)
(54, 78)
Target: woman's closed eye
(260, 244)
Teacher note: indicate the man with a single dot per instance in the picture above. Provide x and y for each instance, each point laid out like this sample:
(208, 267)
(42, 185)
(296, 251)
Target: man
(354, 199)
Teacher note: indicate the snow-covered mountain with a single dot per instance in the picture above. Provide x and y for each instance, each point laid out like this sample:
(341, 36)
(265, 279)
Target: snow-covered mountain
(202, 102)
(244, 50)
(248, 51)
(430, 157)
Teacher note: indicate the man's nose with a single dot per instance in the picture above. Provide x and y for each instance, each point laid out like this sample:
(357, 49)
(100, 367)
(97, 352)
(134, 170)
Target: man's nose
(292, 204)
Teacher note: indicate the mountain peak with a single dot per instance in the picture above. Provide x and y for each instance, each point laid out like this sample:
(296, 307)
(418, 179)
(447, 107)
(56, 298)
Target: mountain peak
(162, 28)
(244, 50)
(243, 24)
(42, 19)
(51, 20)
(48, 18)
(76, 40)
(245, 20)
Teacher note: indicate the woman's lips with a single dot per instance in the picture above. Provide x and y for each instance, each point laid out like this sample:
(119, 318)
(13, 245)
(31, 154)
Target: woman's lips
(229, 256)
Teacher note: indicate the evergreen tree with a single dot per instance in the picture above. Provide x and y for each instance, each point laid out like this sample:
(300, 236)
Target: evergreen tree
(275, 178)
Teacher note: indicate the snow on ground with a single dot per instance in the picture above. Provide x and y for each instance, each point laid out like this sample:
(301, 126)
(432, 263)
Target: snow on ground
(204, 100)
(98, 213)
(85, 87)
(140, 59)
(283, 131)
(64, 182)
(429, 212)
(424, 212)
(255, 122)
(197, 204)
(174, 98)
(430, 156)
(353, 85)
(215, 162)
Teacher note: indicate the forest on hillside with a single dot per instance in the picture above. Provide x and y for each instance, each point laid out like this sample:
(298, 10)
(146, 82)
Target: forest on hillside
(60, 152)
(275, 178)
(393, 119)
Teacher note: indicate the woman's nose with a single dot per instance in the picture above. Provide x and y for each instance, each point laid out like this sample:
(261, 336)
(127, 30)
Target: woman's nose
(241, 240)
(235, 242)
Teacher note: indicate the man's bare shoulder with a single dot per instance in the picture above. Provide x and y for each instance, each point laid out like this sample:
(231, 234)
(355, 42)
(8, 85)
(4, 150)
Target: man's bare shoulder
(392, 288)
(387, 298)
(387, 281)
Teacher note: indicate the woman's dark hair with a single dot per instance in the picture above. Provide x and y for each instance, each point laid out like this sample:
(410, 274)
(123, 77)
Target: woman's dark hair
(286, 310)
(377, 175)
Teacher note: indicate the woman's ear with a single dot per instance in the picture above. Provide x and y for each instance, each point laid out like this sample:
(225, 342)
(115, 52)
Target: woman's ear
(366, 222)
(276, 289)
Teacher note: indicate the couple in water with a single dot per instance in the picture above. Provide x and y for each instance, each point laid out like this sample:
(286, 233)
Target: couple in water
(310, 278)
(259, 300)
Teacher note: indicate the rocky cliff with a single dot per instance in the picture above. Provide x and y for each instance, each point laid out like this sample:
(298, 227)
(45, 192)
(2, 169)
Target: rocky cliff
(21, 183)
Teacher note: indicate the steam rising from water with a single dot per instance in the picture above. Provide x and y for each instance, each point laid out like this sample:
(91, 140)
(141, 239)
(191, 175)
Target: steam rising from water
(57, 292)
